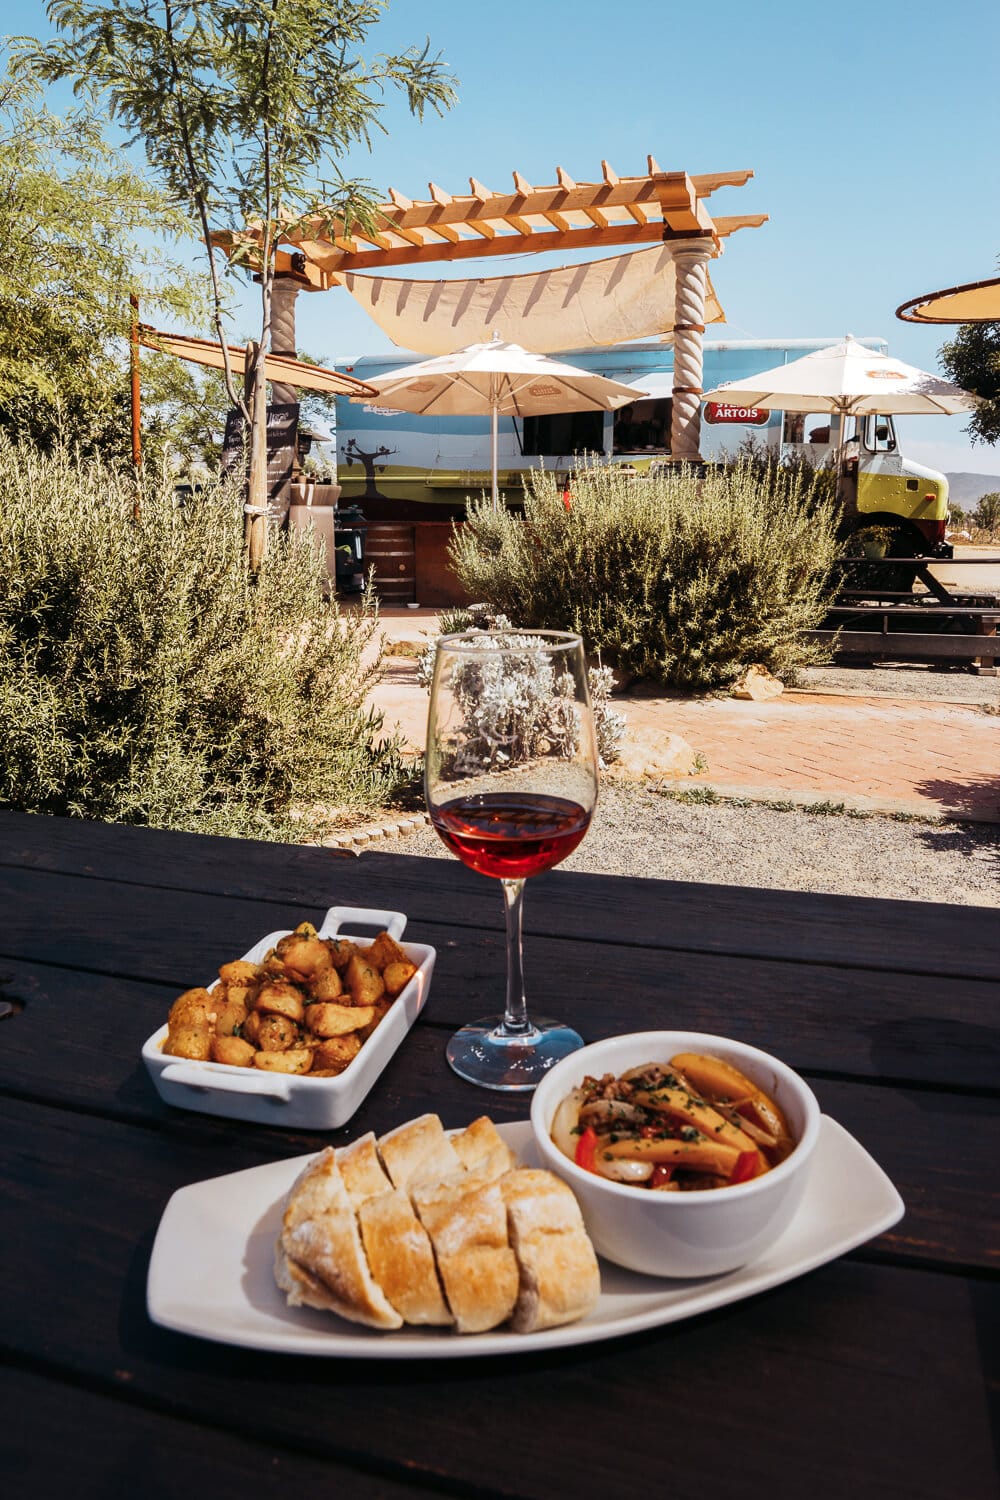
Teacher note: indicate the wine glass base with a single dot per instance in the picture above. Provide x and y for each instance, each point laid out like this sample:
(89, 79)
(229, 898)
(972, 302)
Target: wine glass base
(484, 1053)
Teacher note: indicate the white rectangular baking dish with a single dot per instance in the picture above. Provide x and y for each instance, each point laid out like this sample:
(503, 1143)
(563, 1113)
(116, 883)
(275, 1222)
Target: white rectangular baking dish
(287, 1100)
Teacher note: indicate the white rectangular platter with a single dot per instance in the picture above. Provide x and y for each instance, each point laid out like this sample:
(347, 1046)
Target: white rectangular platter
(288, 1101)
(227, 1227)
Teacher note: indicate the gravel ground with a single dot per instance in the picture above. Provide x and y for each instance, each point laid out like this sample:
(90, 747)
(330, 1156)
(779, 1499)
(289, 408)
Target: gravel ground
(640, 832)
(931, 684)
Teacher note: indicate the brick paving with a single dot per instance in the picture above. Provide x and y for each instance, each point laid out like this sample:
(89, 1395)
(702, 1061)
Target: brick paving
(925, 757)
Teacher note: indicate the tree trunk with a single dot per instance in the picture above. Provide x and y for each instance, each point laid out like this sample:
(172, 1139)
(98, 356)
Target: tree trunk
(255, 507)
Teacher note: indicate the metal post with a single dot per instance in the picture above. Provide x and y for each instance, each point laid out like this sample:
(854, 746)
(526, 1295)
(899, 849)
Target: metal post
(135, 393)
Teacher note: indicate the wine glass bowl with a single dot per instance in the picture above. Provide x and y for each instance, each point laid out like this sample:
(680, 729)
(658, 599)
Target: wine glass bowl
(511, 784)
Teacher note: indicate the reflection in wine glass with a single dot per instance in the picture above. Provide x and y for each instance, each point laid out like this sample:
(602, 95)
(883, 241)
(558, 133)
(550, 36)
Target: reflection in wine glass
(511, 784)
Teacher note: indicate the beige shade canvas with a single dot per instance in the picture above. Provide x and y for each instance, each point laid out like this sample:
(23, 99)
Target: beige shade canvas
(599, 302)
(284, 368)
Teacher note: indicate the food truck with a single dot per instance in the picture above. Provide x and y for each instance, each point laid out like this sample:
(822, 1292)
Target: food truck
(400, 466)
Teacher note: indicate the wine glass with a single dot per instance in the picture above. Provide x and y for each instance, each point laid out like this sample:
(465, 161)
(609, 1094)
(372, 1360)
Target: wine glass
(511, 784)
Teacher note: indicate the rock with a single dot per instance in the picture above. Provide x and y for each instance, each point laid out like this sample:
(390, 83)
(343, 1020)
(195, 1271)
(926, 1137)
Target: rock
(655, 752)
(757, 683)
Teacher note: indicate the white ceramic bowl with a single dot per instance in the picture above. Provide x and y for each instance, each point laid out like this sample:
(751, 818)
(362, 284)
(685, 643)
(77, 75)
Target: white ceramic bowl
(294, 1102)
(691, 1233)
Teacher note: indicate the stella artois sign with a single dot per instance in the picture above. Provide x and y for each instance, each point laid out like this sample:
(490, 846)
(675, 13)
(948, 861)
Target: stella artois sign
(719, 412)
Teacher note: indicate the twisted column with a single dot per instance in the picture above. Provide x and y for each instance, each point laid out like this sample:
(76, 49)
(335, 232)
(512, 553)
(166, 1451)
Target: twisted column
(690, 271)
(283, 295)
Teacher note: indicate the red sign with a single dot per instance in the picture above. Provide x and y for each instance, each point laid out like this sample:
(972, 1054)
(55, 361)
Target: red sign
(718, 412)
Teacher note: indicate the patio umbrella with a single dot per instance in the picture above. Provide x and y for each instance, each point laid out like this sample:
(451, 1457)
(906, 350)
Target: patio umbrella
(497, 379)
(847, 380)
(975, 302)
(281, 367)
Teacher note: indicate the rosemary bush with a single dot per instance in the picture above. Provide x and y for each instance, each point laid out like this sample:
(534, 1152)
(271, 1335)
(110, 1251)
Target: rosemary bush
(681, 579)
(145, 678)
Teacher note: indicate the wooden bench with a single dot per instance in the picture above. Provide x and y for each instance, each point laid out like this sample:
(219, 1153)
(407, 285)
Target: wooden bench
(873, 630)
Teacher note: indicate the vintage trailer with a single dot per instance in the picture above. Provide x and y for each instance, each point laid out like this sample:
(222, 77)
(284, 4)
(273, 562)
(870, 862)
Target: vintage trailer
(406, 470)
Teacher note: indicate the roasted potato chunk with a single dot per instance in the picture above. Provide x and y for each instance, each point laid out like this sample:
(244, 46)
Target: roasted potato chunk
(232, 1050)
(295, 1060)
(341, 951)
(330, 1019)
(304, 958)
(380, 1010)
(229, 1017)
(238, 972)
(279, 998)
(193, 1008)
(276, 1033)
(364, 981)
(384, 950)
(193, 1042)
(396, 977)
(335, 1054)
(326, 986)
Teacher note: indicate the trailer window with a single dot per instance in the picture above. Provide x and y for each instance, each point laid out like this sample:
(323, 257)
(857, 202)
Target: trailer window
(564, 433)
(643, 427)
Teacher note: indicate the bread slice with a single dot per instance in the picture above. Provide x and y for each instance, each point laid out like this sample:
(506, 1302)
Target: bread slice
(401, 1258)
(467, 1224)
(419, 1151)
(320, 1260)
(559, 1276)
(482, 1149)
(361, 1170)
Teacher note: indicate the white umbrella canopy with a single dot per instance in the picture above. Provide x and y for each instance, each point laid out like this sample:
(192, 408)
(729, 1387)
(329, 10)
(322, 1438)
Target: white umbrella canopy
(849, 380)
(498, 379)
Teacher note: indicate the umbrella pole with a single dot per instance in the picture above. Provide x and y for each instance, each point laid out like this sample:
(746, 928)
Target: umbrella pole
(494, 454)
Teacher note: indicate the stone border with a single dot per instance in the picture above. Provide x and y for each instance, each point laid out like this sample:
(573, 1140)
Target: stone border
(373, 833)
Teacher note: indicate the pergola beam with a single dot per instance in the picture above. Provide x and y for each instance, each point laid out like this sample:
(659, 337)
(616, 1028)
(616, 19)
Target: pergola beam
(565, 216)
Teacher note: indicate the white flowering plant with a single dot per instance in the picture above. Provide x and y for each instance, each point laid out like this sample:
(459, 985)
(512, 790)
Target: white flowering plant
(512, 717)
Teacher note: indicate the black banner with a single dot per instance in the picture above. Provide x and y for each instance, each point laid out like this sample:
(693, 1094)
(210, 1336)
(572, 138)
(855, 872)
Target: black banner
(282, 429)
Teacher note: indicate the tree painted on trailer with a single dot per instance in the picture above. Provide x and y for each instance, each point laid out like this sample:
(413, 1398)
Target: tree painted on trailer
(243, 106)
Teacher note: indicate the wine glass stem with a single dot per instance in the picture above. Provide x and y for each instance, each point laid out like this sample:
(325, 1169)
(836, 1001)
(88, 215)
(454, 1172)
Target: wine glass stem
(516, 1014)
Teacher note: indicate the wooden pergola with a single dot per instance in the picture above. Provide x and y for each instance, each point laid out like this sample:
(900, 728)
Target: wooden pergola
(566, 216)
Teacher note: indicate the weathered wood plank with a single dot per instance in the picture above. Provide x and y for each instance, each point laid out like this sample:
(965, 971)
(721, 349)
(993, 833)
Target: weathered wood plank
(895, 1355)
(107, 1446)
(904, 644)
(799, 927)
(79, 1034)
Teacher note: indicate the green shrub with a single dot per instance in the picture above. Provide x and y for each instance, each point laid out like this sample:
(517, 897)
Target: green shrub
(145, 678)
(987, 513)
(680, 579)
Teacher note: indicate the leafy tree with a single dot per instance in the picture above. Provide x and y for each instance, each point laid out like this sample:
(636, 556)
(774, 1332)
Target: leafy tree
(242, 105)
(972, 360)
(76, 227)
(987, 512)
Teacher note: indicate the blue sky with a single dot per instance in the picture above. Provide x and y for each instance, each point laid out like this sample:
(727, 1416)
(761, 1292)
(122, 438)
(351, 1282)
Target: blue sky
(871, 131)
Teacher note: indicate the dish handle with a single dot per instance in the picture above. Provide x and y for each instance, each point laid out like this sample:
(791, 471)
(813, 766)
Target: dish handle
(394, 922)
(197, 1076)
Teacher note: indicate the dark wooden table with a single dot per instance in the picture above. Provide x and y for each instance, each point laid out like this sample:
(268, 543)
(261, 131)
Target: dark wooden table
(872, 1376)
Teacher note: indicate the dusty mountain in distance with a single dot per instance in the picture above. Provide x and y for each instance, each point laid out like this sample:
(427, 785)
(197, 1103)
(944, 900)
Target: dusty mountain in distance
(966, 489)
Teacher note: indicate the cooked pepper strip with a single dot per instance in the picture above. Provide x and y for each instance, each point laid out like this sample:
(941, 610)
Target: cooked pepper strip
(679, 1105)
(586, 1150)
(698, 1154)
